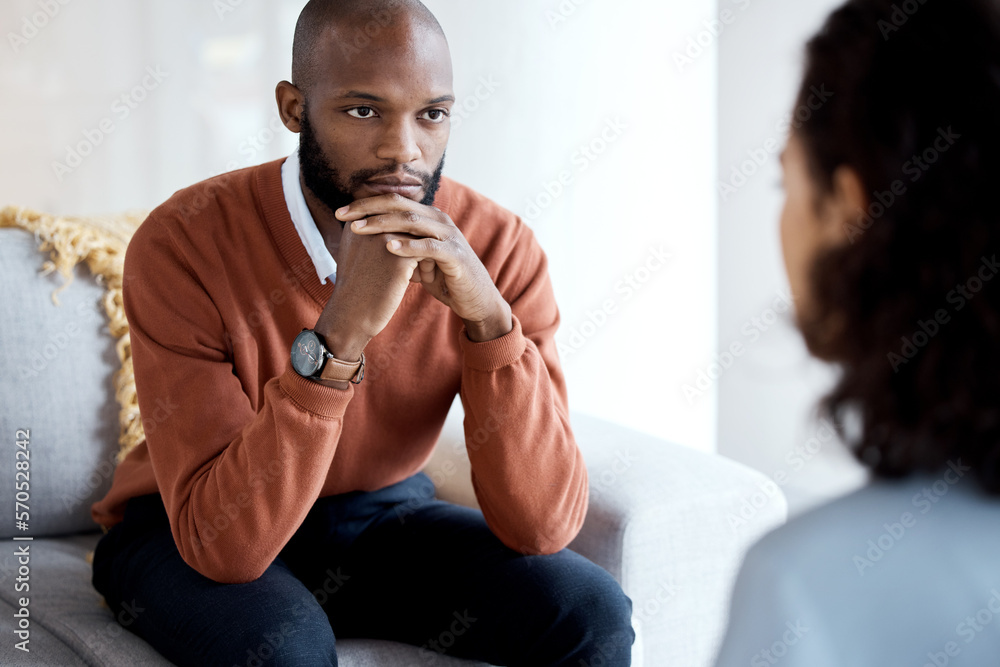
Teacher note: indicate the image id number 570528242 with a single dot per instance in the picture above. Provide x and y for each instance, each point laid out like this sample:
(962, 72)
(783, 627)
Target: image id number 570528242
(22, 550)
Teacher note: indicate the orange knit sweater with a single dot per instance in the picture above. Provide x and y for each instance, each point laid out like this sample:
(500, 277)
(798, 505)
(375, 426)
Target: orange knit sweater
(217, 284)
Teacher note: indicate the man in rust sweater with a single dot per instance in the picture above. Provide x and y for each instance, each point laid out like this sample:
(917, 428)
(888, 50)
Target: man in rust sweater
(299, 331)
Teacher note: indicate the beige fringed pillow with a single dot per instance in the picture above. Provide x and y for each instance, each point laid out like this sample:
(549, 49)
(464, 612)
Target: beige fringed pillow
(100, 243)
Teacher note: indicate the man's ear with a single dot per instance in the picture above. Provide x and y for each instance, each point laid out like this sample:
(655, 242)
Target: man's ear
(847, 202)
(290, 104)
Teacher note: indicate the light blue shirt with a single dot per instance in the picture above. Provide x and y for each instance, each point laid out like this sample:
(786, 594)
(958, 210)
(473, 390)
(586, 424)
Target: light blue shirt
(326, 265)
(899, 573)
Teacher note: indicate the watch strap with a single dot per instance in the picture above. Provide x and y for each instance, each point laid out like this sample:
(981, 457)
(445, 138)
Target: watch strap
(335, 370)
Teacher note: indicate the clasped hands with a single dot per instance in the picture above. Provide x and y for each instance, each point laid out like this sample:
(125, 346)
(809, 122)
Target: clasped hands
(432, 250)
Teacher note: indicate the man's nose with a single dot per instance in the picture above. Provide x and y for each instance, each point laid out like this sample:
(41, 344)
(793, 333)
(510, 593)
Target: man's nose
(399, 143)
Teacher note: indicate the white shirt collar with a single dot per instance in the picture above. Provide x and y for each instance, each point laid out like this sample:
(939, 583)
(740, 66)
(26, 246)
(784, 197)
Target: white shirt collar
(326, 265)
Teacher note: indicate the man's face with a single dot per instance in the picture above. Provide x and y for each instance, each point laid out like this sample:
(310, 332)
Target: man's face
(377, 120)
(335, 190)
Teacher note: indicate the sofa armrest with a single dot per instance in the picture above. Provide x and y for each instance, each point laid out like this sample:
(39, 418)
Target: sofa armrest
(669, 523)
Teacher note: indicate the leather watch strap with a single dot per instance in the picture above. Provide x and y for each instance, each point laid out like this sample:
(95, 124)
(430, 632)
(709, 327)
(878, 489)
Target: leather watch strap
(336, 370)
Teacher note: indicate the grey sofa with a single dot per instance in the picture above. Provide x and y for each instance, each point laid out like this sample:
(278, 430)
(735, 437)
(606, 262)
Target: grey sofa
(669, 523)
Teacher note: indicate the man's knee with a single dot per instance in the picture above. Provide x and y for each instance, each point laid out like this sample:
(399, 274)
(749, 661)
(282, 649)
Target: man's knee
(608, 650)
(607, 609)
(595, 616)
(601, 612)
(299, 639)
(583, 591)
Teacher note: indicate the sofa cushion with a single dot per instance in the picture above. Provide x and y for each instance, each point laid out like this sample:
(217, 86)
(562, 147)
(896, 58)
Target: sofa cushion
(58, 364)
(69, 625)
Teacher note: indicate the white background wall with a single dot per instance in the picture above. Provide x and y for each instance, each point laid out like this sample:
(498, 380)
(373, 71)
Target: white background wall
(767, 395)
(564, 73)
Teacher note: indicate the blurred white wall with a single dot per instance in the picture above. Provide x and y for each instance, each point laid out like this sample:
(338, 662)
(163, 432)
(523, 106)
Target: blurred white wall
(767, 394)
(595, 120)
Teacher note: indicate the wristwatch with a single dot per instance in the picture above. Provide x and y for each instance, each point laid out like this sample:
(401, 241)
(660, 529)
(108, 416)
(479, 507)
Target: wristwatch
(311, 359)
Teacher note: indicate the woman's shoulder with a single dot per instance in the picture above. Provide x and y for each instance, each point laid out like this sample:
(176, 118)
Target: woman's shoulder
(890, 530)
(901, 568)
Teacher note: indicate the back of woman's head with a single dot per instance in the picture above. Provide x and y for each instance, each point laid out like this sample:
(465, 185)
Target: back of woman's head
(913, 293)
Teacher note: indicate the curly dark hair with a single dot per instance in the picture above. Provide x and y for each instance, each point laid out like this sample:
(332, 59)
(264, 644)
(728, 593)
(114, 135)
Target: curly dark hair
(909, 306)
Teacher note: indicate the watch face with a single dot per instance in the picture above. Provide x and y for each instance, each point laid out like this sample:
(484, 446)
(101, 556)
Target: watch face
(307, 354)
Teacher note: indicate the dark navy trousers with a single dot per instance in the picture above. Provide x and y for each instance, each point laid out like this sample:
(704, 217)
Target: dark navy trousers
(393, 564)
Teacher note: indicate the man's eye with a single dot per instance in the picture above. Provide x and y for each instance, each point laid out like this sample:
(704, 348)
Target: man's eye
(361, 112)
(435, 115)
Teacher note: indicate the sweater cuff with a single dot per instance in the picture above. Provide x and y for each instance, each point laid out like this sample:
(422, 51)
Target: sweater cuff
(314, 397)
(493, 354)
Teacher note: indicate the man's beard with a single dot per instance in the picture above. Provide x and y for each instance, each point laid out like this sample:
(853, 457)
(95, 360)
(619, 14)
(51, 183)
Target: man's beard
(325, 182)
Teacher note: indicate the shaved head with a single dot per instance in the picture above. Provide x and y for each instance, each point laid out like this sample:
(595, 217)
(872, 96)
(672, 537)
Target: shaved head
(351, 23)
